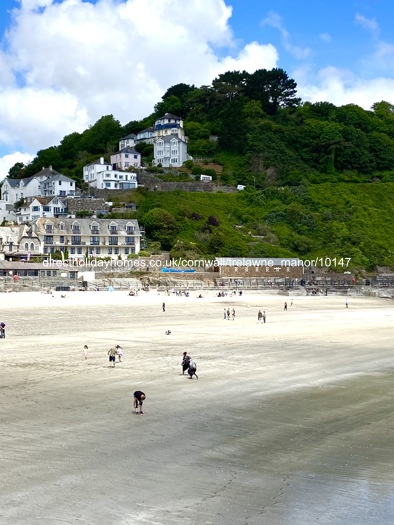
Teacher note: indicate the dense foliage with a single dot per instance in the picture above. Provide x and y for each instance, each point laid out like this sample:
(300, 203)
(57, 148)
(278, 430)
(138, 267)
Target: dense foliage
(320, 178)
(335, 221)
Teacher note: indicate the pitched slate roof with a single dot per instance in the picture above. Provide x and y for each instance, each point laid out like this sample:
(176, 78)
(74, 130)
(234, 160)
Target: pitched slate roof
(14, 183)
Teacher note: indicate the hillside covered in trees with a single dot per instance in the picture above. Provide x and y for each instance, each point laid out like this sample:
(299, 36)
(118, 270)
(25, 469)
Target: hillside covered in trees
(320, 178)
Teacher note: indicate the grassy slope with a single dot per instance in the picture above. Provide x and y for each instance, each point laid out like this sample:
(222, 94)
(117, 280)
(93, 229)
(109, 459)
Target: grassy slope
(325, 220)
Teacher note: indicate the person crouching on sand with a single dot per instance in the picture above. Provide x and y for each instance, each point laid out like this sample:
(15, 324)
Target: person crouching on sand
(139, 398)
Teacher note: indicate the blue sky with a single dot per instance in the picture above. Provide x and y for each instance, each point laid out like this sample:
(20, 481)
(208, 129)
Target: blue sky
(65, 63)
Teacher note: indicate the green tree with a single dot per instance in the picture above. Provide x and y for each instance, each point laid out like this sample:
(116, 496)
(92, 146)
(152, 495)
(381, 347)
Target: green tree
(16, 170)
(160, 226)
(273, 88)
(104, 132)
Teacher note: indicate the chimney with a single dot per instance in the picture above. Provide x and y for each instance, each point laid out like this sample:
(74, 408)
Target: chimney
(50, 168)
(101, 160)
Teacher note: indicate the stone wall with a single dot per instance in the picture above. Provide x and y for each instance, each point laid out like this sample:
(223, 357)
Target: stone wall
(80, 204)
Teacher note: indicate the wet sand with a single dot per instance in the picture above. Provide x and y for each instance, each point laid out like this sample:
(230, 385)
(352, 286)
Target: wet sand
(290, 422)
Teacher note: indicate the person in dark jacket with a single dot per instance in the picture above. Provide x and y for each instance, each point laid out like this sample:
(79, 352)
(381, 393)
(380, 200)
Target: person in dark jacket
(139, 398)
(185, 362)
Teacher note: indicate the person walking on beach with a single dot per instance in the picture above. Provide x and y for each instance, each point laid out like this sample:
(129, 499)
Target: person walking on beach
(164, 307)
(139, 398)
(185, 362)
(228, 314)
(192, 369)
(224, 314)
(119, 350)
(259, 316)
(85, 352)
(233, 314)
(112, 353)
(285, 306)
(346, 304)
(264, 317)
(2, 330)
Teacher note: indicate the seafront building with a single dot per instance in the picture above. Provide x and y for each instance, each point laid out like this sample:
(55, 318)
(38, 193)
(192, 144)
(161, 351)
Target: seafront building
(74, 238)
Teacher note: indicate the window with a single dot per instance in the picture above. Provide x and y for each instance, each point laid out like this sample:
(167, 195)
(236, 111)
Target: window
(113, 241)
(113, 228)
(48, 239)
(79, 250)
(126, 155)
(48, 227)
(94, 240)
(94, 228)
(61, 239)
(76, 228)
(61, 226)
(129, 228)
(116, 251)
(129, 240)
(46, 208)
(75, 240)
(109, 251)
(36, 208)
(126, 251)
(136, 156)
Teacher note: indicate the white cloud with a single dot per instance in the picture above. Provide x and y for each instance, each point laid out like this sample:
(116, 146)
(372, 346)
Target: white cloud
(342, 87)
(8, 161)
(367, 23)
(275, 21)
(69, 63)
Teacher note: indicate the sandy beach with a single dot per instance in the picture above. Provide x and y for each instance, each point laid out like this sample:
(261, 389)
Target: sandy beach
(290, 422)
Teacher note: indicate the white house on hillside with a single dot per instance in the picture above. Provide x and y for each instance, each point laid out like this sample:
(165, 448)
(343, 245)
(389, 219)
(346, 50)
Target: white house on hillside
(42, 207)
(15, 189)
(59, 185)
(102, 175)
(170, 144)
(146, 135)
(7, 212)
(47, 182)
(127, 142)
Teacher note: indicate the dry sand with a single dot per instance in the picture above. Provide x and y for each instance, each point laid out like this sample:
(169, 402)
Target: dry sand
(290, 422)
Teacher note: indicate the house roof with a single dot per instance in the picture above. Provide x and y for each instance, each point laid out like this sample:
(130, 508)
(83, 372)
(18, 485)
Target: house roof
(46, 200)
(48, 172)
(169, 115)
(128, 149)
(151, 130)
(130, 136)
(169, 138)
(58, 176)
(14, 183)
(103, 225)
